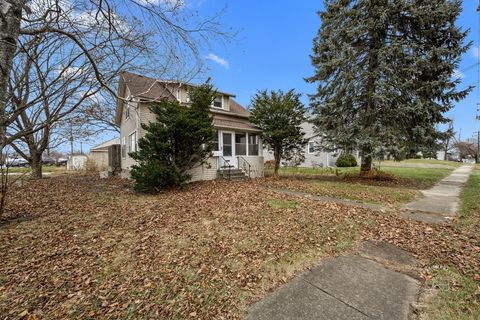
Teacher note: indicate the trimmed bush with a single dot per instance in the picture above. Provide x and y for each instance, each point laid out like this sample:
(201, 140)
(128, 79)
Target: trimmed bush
(346, 160)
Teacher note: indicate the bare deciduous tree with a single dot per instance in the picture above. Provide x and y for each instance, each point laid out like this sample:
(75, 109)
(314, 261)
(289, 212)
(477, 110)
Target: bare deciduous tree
(160, 38)
(163, 37)
(466, 149)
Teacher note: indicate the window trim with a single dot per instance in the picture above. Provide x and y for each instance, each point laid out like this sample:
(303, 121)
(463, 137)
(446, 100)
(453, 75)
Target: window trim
(124, 147)
(256, 143)
(217, 141)
(246, 143)
(127, 111)
(221, 101)
(130, 144)
(308, 147)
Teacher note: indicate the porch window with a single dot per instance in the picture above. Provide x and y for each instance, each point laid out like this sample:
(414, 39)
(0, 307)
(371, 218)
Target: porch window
(241, 144)
(252, 144)
(215, 142)
(132, 142)
(227, 144)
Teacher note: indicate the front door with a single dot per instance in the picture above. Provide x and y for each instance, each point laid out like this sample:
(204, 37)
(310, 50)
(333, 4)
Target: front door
(228, 149)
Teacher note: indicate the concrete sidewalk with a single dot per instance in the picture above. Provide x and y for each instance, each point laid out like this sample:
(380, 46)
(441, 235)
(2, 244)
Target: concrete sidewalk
(440, 203)
(347, 287)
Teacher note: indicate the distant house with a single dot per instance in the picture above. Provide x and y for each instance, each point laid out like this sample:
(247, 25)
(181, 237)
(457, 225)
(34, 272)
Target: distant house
(238, 146)
(99, 154)
(313, 157)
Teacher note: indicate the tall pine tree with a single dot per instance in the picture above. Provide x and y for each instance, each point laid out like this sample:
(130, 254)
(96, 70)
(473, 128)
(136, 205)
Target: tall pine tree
(384, 71)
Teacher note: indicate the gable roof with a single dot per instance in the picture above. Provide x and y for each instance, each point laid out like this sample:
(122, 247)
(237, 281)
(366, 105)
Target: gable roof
(150, 89)
(104, 145)
(235, 107)
(144, 87)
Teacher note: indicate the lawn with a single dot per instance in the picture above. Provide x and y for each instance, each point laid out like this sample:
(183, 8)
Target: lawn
(417, 177)
(393, 186)
(78, 247)
(458, 294)
(86, 248)
(45, 169)
(421, 163)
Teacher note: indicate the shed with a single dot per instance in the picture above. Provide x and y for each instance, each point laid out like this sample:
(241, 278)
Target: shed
(99, 154)
(77, 162)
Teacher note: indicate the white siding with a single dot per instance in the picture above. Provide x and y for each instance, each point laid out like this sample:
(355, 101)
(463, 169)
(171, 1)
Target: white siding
(317, 159)
(127, 127)
(140, 113)
(206, 171)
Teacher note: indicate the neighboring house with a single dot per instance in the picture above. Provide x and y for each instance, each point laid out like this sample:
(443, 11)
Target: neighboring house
(99, 154)
(314, 158)
(237, 144)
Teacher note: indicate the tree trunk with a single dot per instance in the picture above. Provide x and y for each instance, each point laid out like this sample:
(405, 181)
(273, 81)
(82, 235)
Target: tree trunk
(377, 36)
(36, 166)
(10, 17)
(277, 155)
(366, 165)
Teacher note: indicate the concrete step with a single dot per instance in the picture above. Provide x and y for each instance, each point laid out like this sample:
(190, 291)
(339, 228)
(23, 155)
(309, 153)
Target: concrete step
(234, 174)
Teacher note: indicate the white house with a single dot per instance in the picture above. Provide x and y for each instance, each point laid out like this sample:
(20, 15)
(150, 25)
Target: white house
(313, 156)
(238, 143)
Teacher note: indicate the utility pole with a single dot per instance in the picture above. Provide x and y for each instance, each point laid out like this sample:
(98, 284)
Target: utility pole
(71, 140)
(477, 154)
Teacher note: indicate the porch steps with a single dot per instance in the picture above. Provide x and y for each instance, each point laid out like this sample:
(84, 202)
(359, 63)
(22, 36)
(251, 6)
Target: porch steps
(235, 174)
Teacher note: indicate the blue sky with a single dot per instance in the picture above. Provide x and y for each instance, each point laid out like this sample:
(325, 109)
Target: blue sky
(275, 40)
(273, 45)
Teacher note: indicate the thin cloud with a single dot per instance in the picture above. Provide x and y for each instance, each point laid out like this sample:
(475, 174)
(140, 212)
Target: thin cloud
(476, 52)
(213, 57)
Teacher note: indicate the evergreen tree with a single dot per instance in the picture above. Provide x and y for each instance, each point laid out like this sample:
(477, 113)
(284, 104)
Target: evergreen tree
(179, 140)
(280, 115)
(384, 71)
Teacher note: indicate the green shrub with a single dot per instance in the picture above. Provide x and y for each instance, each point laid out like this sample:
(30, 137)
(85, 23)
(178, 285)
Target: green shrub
(346, 160)
(178, 141)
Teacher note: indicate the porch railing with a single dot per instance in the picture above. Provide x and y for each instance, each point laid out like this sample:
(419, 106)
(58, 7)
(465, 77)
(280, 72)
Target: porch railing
(245, 165)
(225, 165)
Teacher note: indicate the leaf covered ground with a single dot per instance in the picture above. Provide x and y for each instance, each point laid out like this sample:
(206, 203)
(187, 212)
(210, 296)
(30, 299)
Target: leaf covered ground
(82, 248)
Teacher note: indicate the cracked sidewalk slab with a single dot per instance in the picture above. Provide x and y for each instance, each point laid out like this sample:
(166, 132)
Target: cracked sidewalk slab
(346, 287)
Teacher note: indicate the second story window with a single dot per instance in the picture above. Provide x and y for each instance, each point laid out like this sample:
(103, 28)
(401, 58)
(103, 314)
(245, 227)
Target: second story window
(311, 147)
(218, 102)
(132, 142)
(127, 111)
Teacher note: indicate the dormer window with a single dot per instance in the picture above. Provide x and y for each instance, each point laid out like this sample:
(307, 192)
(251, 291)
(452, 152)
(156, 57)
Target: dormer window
(218, 102)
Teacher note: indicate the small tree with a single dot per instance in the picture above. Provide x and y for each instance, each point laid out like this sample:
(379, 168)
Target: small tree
(280, 116)
(466, 149)
(179, 140)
